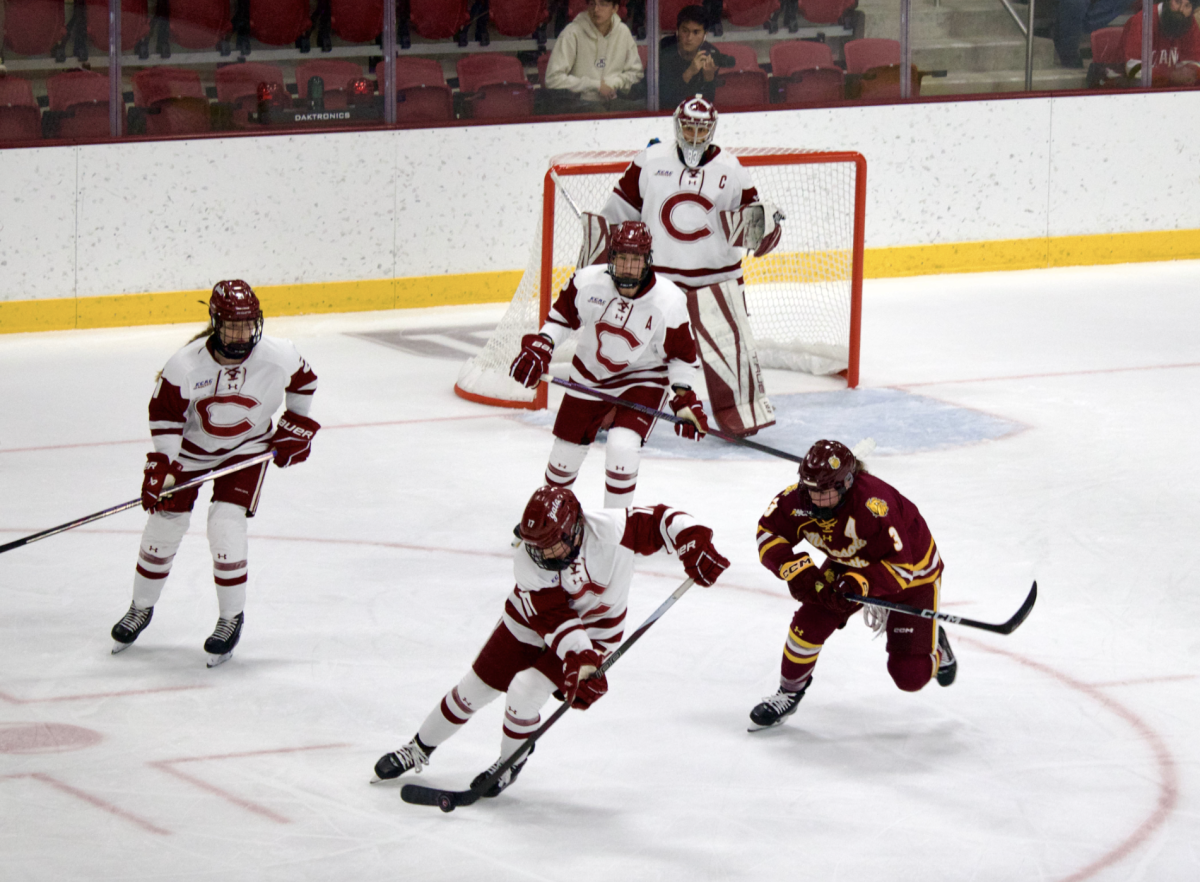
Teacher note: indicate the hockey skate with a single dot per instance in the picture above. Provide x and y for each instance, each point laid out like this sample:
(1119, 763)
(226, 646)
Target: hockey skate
(133, 623)
(948, 666)
(223, 639)
(413, 755)
(504, 781)
(774, 709)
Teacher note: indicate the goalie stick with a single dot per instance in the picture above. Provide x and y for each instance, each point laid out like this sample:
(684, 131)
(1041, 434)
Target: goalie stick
(449, 800)
(124, 506)
(1003, 628)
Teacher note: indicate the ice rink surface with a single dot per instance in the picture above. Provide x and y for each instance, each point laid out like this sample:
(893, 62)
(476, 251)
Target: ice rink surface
(1044, 422)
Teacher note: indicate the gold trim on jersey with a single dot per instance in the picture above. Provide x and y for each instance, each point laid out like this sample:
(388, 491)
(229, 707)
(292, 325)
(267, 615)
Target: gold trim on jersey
(924, 572)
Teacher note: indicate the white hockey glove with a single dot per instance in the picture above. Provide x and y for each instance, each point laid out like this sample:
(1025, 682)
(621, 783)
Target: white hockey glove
(755, 227)
(595, 240)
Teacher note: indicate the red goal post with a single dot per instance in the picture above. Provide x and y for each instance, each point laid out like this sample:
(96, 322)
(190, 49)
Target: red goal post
(804, 299)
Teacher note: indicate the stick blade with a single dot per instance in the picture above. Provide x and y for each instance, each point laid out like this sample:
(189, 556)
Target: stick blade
(446, 800)
(1023, 613)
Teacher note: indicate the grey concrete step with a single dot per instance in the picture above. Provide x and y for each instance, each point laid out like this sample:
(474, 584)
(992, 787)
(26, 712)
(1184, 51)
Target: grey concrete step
(980, 53)
(941, 22)
(973, 82)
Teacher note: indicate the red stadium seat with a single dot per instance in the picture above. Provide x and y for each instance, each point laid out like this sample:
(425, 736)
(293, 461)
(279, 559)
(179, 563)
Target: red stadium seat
(34, 27)
(483, 69)
(862, 55)
(495, 85)
(577, 6)
(336, 75)
(173, 100)
(82, 95)
(237, 84)
(793, 55)
(668, 13)
(750, 13)
(200, 24)
(413, 71)
(438, 19)
(20, 119)
(1106, 47)
(744, 54)
(135, 23)
(518, 18)
(745, 83)
(421, 91)
(825, 11)
(804, 73)
(279, 22)
(356, 21)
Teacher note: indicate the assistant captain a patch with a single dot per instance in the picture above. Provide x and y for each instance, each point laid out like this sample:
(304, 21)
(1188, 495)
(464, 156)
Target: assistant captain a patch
(877, 507)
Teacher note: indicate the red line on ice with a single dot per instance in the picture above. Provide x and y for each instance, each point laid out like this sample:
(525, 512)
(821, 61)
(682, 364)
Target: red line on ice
(12, 699)
(1168, 774)
(95, 801)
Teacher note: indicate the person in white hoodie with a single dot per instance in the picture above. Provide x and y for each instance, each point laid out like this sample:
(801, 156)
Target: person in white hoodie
(595, 56)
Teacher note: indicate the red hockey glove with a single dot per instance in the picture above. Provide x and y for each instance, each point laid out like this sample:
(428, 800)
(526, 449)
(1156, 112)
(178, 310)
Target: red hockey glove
(532, 361)
(577, 667)
(801, 576)
(590, 691)
(831, 597)
(686, 405)
(700, 560)
(154, 476)
(292, 441)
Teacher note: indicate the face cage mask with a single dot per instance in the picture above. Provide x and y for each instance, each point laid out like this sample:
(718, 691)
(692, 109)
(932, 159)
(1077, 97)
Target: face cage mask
(240, 349)
(558, 564)
(634, 282)
(693, 153)
(825, 514)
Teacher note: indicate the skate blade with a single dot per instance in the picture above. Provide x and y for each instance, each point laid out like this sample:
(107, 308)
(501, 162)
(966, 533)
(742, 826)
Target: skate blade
(214, 660)
(758, 728)
(120, 647)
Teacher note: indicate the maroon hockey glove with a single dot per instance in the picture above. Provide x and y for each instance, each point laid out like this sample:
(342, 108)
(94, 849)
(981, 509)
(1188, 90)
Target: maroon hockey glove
(685, 400)
(158, 467)
(532, 361)
(292, 441)
(700, 560)
(831, 597)
(575, 668)
(590, 691)
(801, 576)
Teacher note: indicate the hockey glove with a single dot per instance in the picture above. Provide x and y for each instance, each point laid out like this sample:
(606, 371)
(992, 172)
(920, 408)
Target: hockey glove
(578, 666)
(533, 360)
(832, 596)
(159, 474)
(801, 576)
(701, 561)
(292, 441)
(687, 406)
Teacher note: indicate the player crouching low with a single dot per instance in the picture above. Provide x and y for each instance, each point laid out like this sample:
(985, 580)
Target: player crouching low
(878, 545)
(565, 614)
(635, 340)
(212, 407)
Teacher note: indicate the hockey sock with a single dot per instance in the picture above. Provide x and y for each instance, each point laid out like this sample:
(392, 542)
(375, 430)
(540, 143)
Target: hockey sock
(799, 658)
(160, 540)
(457, 707)
(227, 542)
(912, 672)
(528, 691)
(622, 454)
(565, 460)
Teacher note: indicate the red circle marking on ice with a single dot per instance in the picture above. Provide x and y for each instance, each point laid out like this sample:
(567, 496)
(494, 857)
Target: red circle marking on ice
(46, 738)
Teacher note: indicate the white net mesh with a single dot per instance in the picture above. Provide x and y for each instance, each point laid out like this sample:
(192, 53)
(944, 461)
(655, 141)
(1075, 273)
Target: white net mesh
(798, 297)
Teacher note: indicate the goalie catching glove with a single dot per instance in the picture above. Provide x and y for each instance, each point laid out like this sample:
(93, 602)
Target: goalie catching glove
(292, 441)
(580, 688)
(686, 405)
(533, 360)
(701, 561)
(755, 227)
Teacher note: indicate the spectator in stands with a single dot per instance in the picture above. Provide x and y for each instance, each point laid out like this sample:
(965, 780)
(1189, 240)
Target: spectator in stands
(1074, 19)
(1175, 56)
(687, 62)
(595, 56)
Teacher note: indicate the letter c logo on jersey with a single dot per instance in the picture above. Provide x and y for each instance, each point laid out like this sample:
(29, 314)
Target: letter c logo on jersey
(632, 344)
(666, 216)
(218, 424)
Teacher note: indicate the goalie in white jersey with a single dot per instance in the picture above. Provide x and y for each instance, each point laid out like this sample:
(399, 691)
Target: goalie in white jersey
(634, 340)
(212, 407)
(704, 213)
(564, 615)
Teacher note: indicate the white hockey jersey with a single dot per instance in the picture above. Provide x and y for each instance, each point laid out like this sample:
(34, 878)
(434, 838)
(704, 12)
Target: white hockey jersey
(682, 207)
(202, 412)
(584, 606)
(645, 341)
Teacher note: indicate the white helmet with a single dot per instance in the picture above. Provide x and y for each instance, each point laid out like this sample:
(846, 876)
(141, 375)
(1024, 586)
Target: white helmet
(701, 118)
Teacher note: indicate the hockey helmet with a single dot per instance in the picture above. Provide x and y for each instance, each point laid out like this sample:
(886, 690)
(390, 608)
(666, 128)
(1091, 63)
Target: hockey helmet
(629, 237)
(233, 310)
(552, 516)
(695, 125)
(828, 465)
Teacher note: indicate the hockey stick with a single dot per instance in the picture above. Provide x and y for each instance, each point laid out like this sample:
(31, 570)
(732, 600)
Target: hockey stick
(124, 506)
(449, 800)
(1003, 628)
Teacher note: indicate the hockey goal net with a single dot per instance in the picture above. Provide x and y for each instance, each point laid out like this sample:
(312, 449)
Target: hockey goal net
(804, 298)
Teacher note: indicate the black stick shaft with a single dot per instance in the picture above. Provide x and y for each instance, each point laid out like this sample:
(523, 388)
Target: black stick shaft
(650, 411)
(1003, 628)
(133, 503)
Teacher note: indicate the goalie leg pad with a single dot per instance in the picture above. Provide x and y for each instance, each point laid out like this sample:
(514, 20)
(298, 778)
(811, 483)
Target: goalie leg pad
(596, 235)
(160, 541)
(726, 348)
(622, 455)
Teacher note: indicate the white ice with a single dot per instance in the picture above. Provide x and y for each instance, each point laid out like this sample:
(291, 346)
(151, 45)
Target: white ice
(1045, 423)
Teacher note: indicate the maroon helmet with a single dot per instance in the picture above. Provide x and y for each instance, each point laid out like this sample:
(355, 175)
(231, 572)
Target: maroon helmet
(551, 516)
(828, 465)
(630, 237)
(234, 301)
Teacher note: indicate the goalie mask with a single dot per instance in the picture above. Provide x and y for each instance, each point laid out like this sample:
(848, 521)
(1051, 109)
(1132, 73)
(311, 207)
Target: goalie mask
(695, 125)
(552, 528)
(828, 466)
(236, 317)
(629, 258)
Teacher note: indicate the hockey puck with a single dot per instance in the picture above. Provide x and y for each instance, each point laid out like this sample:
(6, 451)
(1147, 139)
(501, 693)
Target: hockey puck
(446, 802)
